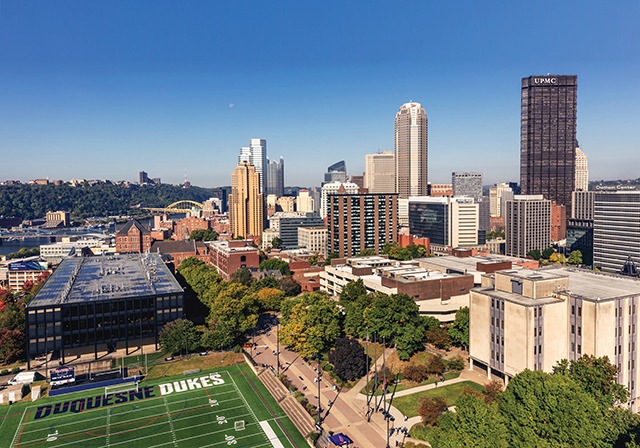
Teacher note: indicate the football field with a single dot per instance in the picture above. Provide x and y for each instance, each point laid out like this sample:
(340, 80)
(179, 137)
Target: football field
(224, 407)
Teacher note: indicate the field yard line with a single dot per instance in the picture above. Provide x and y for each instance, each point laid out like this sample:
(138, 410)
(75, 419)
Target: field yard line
(108, 428)
(4, 417)
(15, 436)
(271, 435)
(243, 399)
(173, 433)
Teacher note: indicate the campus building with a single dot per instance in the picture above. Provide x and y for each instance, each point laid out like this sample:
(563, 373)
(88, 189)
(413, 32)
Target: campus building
(531, 319)
(229, 256)
(101, 304)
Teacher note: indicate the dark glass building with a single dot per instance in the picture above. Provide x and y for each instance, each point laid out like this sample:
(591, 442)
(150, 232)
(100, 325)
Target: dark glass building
(580, 237)
(548, 136)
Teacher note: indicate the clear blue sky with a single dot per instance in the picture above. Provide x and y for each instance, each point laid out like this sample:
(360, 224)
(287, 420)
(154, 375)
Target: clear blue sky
(104, 89)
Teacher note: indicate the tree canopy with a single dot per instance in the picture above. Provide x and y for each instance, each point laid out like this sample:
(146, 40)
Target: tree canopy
(459, 329)
(204, 235)
(178, 336)
(348, 359)
(275, 264)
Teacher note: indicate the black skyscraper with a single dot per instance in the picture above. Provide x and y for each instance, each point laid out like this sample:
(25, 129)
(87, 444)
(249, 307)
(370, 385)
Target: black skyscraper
(548, 136)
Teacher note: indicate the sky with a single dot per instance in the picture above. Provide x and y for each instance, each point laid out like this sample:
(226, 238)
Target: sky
(105, 89)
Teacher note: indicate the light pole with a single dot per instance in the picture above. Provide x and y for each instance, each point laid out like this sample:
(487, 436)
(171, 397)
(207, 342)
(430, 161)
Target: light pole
(319, 378)
(278, 348)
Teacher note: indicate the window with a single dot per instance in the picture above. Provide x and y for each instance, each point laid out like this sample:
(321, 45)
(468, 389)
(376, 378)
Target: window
(579, 311)
(573, 329)
(573, 309)
(243, 258)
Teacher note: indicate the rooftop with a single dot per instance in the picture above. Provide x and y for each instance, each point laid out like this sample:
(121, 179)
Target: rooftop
(81, 280)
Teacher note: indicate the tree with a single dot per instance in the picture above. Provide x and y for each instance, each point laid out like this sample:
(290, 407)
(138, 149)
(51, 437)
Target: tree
(354, 321)
(456, 363)
(242, 276)
(276, 243)
(439, 337)
(367, 252)
(436, 365)
(431, 408)
(289, 286)
(541, 409)
(275, 264)
(235, 306)
(348, 359)
(546, 254)
(459, 329)
(12, 345)
(492, 391)
(204, 235)
(353, 290)
(179, 335)
(415, 372)
(575, 257)
(331, 256)
(313, 260)
(475, 423)
(535, 254)
(269, 299)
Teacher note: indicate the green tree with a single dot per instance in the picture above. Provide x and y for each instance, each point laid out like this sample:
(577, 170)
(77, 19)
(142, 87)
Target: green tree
(575, 257)
(348, 359)
(313, 260)
(544, 410)
(179, 335)
(204, 235)
(218, 335)
(235, 306)
(242, 276)
(546, 254)
(459, 329)
(269, 299)
(275, 264)
(354, 320)
(331, 256)
(535, 254)
(439, 337)
(289, 286)
(276, 243)
(12, 345)
(367, 252)
(474, 424)
(353, 291)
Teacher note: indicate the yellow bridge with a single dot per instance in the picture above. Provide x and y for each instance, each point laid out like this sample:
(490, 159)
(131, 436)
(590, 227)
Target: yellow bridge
(183, 206)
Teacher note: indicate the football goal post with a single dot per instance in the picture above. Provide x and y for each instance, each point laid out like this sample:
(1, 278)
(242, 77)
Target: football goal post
(123, 387)
(239, 425)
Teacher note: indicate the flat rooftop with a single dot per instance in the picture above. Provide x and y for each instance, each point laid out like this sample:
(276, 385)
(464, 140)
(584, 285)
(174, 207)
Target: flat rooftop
(86, 279)
(598, 286)
(466, 263)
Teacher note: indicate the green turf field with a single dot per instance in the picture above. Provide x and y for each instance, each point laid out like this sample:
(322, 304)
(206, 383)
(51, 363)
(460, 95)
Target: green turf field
(199, 410)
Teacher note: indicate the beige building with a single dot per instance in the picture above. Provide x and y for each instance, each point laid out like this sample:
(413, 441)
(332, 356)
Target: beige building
(582, 171)
(527, 225)
(287, 203)
(246, 203)
(495, 198)
(313, 239)
(411, 150)
(582, 204)
(304, 202)
(531, 319)
(58, 219)
(380, 172)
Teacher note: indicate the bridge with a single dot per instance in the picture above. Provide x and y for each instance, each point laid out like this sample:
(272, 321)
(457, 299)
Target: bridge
(184, 206)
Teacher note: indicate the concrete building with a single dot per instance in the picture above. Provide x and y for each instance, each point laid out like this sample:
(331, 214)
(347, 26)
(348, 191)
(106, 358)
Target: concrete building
(527, 225)
(582, 204)
(437, 294)
(57, 219)
(133, 237)
(275, 177)
(256, 155)
(229, 256)
(448, 222)
(313, 239)
(467, 184)
(403, 212)
(304, 202)
(55, 252)
(380, 172)
(439, 190)
(246, 203)
(361, 221)
(531, 319)
(616, 230)
(286, 204)
(333, 188)
(411, 150)
(548, 136)
(101, 304)
(288, 223)
(582, 171)
(495, 197)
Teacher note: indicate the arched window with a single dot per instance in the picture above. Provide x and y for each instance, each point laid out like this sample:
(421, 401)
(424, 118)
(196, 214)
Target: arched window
(243, 258)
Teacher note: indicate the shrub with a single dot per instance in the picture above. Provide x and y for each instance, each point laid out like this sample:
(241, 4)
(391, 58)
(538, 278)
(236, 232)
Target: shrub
(431, 408)
(435, 365)
(15, 370)
(456, 363)
(415, 372)
(4, 372)
(494, 388)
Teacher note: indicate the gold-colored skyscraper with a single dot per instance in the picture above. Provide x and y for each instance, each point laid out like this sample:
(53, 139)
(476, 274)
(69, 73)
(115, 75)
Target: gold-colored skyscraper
(246, 204)
(411, 127)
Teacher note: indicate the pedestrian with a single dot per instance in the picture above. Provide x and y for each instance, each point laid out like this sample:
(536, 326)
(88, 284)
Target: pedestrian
(406, 418)
(436, 383)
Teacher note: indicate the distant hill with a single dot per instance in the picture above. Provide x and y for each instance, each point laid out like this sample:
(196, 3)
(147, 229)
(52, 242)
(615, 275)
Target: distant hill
(84, 201)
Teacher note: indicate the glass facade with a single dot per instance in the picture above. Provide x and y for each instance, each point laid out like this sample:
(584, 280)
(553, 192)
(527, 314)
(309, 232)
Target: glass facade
(430, 220)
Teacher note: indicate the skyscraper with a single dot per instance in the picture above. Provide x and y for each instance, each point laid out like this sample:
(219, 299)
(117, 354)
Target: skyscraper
(380, 172)
(582, 171)
(256, 155)
(336, 173)
(467, 184)
(527, 225)
(548, 136)
(246, 204)
(275, 177)
(411, 127)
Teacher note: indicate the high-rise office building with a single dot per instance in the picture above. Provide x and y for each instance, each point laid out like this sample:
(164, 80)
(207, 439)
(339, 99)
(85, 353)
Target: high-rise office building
(527, 225)
(448, 222)
(304, 202)
(246, 203)
(467, 184)
(548, 136)
(361, 221)
(336, 173)
(495, 197)
(275, 177)
(287, 224)
(411, 145)
(256, 155)
(334, 188)
(380, 172)
(582, 171)
(616, 229)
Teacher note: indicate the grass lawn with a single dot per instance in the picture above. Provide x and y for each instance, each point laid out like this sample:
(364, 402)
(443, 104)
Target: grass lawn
(406, 384)
(408, 404)
(198, 410)
(194, 361)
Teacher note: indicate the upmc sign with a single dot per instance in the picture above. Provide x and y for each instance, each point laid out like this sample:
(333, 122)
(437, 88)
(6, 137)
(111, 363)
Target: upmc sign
(545, 80)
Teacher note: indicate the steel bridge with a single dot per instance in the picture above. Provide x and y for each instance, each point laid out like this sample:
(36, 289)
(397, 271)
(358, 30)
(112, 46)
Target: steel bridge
(184, 206)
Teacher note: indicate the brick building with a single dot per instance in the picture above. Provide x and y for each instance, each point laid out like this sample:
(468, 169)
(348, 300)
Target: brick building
(181, 250)
(229, 256)
(183, 227)
(133, 237)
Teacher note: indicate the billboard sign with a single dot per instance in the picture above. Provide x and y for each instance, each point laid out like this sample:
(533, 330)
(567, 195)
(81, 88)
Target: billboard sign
(25, 266)
(62, 375)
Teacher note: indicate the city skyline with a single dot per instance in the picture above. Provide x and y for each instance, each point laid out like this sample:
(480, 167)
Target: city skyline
(80, 93)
